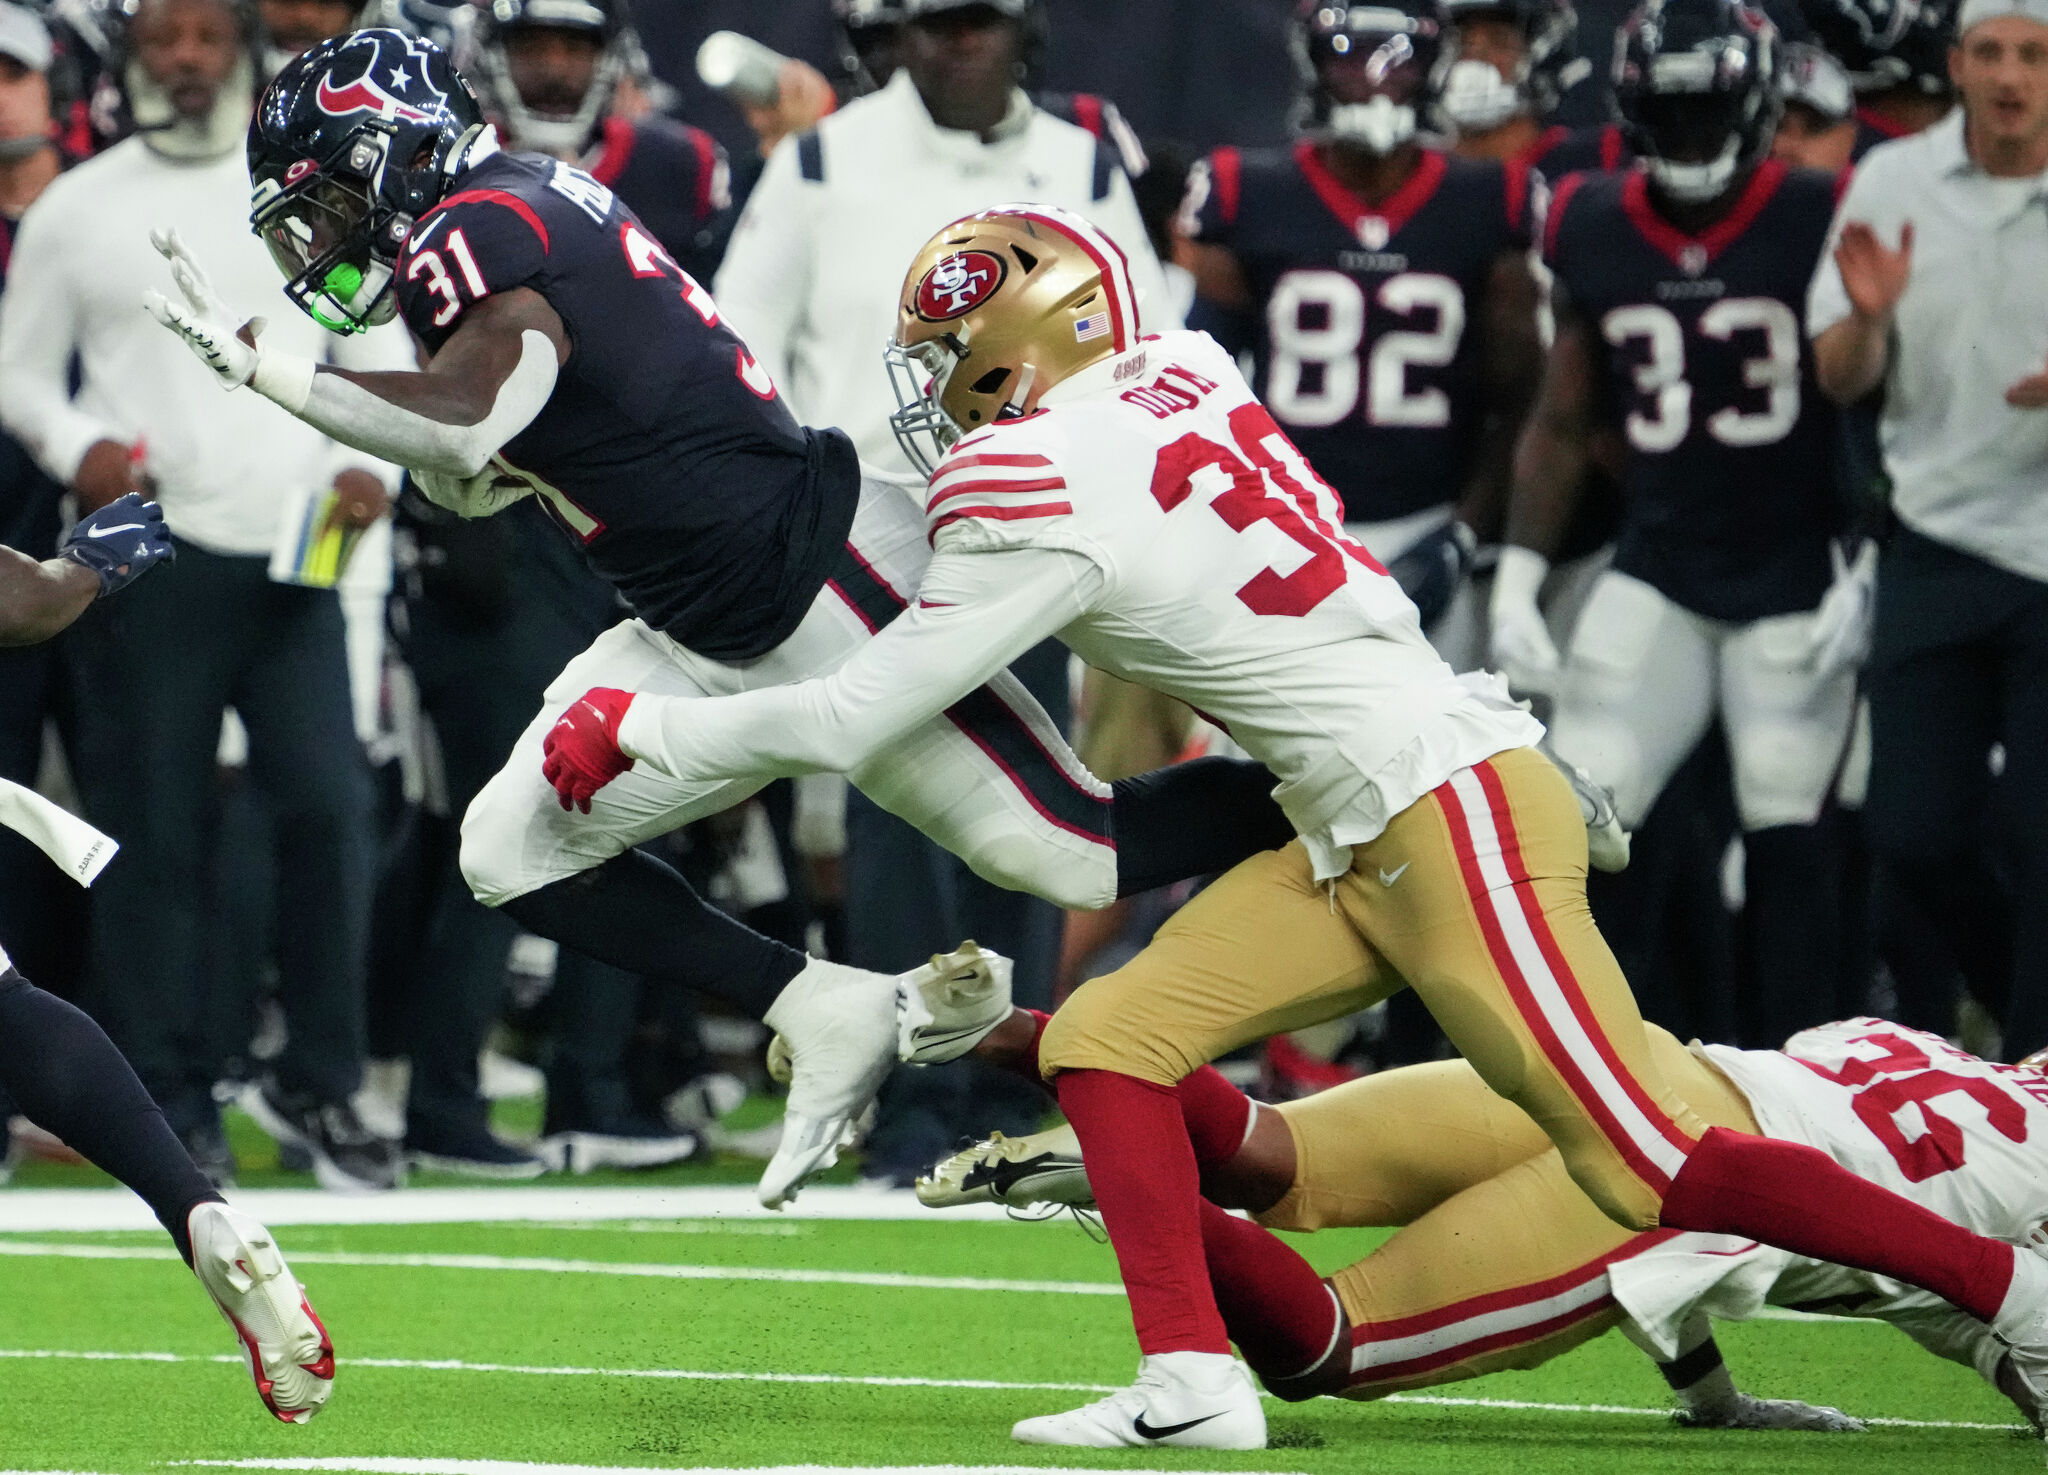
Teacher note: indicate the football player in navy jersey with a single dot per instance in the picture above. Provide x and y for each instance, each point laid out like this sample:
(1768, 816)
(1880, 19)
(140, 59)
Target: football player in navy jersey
(572, 361)
(1395, 335)
(1678, 292)
(548, 72)
(1515, 60)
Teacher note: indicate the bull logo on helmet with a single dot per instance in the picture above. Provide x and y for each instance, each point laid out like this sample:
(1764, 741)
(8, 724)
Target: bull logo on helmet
(386, 96)
(957, 284)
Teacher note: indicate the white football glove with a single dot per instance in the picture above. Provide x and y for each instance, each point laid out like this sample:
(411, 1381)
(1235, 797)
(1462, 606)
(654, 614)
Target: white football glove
(205, 322)
(491, 490)
(1522, 648)
(1842, 624)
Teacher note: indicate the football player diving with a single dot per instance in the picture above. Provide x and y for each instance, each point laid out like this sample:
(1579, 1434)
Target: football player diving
(1502, 1263)
(1132, 497)
(60, 1068)
(573, 361)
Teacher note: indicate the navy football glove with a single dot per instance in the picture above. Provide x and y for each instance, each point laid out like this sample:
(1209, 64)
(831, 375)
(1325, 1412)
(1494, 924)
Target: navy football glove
(1429, 573)
(120, 541)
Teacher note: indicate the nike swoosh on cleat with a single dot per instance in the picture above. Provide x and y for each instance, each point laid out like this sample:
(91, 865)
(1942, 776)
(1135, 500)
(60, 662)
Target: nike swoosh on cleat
(1146, 1431)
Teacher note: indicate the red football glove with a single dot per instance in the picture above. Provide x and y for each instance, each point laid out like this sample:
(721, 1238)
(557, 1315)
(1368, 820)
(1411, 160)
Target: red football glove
(582, 750)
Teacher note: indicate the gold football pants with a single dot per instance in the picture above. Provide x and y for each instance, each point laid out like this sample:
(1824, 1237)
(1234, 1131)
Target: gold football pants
(1503, 1263)
(1474, 896)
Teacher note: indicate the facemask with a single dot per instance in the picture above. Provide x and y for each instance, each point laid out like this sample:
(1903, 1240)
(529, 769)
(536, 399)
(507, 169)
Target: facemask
(1380, 126)
(1477, 97)
(1695, 183)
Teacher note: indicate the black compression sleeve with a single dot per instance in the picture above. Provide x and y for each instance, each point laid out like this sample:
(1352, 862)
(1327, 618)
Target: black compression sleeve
(1193, 819)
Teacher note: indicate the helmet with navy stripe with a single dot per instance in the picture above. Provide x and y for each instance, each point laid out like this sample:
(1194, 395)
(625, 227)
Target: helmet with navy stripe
(1696, 87)
(351, 143)
(997, 309)
(1370, 74)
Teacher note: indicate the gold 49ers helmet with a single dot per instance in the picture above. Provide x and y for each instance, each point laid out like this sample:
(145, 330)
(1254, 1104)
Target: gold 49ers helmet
(997, 309)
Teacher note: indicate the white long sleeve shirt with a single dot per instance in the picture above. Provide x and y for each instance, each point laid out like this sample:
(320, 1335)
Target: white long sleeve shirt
(812, 276)
(74, 287)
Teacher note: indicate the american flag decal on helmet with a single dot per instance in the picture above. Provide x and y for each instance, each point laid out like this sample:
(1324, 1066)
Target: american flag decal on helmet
(1095, 325)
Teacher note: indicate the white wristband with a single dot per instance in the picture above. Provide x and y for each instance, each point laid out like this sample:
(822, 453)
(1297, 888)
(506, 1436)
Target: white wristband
(284, 378)
(1519, 576)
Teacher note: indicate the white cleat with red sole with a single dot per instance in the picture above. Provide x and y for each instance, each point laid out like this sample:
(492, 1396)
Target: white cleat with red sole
(289, 1352)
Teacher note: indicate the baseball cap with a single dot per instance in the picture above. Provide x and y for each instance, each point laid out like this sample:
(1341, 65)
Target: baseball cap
(24, 37)
(1975, 12)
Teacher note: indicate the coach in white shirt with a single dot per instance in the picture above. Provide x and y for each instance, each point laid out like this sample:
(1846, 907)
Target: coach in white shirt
(212, 630)
(1938, 291)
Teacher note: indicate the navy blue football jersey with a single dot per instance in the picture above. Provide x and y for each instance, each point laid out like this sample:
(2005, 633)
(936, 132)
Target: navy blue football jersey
(664, 449)
(1364, 350)
(1559, 151)
(1729, 490)
(675, 179)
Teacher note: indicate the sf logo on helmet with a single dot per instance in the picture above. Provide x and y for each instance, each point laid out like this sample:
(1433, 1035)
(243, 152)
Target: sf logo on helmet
(370, 94)
(958, 284)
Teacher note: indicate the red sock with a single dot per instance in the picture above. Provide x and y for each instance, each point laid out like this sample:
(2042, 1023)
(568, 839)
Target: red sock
(1799, 1199)
(1274, 1305)
(1149, 1195)
(1026, 1065)
(1217, 1113)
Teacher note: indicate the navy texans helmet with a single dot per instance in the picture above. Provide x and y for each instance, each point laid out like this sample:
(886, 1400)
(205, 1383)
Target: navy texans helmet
(1477, 97)
(1862, 34)
(1370, 73)
(563, 124)
(351, 143)
(1695, 85)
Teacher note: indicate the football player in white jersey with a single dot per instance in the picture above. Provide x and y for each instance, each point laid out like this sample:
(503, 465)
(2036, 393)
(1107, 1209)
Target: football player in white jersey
(61, 1069)
(1133, 498)
(1502, 1263)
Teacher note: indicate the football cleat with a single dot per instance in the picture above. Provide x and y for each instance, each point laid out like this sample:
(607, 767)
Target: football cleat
(835, 1043)
(1190, 1400)
(1607, 842)
(290, 1354)
(1773, 1413)
(1017, 1172)
(947, 1007)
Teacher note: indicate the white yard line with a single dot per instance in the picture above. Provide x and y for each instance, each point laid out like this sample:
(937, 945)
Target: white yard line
(29, 1249)
(42, 1210)
(378, 1465)
(454, 1365)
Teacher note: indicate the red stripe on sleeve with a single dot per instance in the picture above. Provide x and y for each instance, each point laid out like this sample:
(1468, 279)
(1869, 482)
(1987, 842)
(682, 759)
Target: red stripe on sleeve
(1566, 188)
(1226, 172)
(511, 202)
(619, 138)
(707, 168)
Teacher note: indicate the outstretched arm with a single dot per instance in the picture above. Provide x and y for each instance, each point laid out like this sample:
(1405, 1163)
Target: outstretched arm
(39, 599)
(485, 385)
(973, 615)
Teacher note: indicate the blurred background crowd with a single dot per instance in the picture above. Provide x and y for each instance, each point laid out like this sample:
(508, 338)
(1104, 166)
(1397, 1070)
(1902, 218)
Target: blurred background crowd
(284, 727)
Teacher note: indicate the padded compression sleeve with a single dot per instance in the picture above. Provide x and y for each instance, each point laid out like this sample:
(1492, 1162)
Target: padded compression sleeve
(354, 416)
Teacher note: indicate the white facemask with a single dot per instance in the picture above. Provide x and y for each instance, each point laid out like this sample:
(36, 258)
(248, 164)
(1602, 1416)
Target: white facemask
(1381, 125)
(1477, 97)
(1694, 183)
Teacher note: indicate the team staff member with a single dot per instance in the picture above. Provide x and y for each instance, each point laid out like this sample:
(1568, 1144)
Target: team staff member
(215, 630)
(1934, 291)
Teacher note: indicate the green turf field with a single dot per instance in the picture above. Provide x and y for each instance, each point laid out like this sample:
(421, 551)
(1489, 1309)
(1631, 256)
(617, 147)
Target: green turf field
(521, 1342)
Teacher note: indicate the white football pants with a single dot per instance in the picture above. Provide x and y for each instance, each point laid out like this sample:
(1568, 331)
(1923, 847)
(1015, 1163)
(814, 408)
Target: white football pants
(990, 779)
(1643, 677)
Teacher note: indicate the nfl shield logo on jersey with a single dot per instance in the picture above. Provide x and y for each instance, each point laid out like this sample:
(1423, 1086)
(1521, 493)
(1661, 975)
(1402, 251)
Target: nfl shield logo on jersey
(957, 284)
(1372, 232)
(1692, 259)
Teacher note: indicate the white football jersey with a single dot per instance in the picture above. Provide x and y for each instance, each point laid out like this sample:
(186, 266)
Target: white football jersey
(1228, 583)
(1964, 1137)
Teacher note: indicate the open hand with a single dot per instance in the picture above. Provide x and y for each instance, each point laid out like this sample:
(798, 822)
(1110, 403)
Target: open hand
(1873, 275)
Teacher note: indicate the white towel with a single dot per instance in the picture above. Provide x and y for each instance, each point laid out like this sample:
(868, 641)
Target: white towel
(81, 851)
